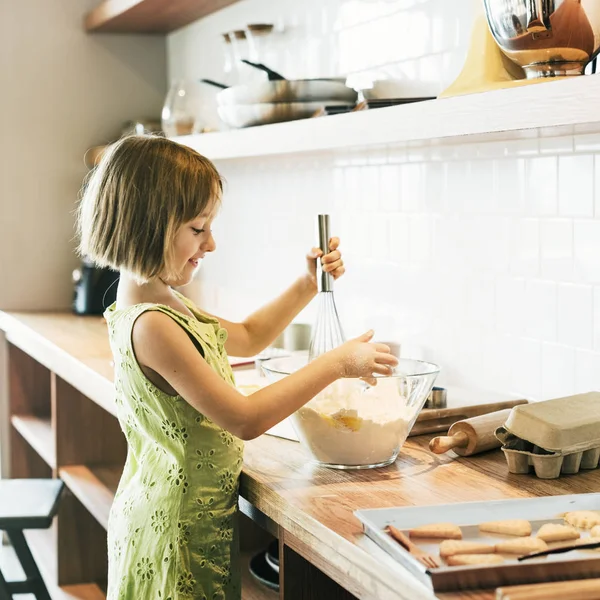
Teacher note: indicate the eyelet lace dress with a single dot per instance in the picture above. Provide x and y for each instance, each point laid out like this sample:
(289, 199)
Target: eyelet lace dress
(172, 531)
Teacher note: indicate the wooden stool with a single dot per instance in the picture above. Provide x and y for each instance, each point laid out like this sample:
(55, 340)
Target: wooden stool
(26, 504)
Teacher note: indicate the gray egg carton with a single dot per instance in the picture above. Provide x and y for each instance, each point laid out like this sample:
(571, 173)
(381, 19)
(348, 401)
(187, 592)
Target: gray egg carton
(553, 437)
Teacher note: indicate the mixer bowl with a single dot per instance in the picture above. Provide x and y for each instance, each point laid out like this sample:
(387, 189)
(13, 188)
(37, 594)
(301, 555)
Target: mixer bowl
(547, 38)
(353, 425)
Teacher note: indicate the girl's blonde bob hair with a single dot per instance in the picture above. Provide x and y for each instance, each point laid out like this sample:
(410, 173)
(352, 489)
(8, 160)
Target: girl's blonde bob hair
(134, 202)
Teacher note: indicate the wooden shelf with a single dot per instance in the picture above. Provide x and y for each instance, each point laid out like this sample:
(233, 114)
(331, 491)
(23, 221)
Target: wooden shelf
(149, 16)
(37, 431)
(94, 487)
(43, 547)
(42, 543)
(489, 115)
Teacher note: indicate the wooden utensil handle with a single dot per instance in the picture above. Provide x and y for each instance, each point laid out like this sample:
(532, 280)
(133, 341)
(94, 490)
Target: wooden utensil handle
(400, 537)
(558, 590)
(439, 445)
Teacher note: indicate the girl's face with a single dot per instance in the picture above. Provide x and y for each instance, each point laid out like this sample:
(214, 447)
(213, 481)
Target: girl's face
(193, 240)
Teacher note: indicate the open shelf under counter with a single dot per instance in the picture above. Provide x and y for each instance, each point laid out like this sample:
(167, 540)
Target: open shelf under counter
(484, 116)
(38, 433)
(42, 543)
(251, 589)
(95, 487)
(149, 16)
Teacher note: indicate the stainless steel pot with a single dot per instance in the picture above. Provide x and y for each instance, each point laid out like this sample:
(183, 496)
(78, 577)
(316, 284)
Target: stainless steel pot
(288, 90)
(247, 115)
(280, 89)
(547, 38)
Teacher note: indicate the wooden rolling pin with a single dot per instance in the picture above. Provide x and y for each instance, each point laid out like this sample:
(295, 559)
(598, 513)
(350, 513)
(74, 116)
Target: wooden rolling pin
(471, 435)
(580, 589)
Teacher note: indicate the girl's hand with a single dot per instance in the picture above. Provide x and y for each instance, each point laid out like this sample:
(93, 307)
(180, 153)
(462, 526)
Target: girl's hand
(359, 358)
(332, 262)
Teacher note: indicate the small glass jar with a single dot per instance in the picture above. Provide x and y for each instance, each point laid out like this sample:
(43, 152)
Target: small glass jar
(183, 110)
(229, 71)
(241, 50)
(260, 43)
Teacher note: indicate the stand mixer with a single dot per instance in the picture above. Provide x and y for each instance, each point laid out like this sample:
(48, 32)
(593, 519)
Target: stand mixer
(523, 42)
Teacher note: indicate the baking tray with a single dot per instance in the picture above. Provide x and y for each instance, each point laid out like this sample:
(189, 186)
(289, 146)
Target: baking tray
(578, 564)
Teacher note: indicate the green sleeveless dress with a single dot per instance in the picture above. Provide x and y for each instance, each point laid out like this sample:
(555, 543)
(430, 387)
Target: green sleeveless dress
(172, 531)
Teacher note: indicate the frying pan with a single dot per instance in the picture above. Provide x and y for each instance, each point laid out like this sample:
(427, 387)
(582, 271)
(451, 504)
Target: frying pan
(278, 89)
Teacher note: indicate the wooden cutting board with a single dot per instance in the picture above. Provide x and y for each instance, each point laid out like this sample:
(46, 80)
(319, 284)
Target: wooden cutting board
(586, 589)
(461, 405)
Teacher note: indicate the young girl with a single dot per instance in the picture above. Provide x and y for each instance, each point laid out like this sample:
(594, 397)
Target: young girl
(147, 211)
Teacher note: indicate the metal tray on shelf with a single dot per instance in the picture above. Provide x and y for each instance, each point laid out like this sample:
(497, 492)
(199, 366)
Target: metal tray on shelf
(578, 564)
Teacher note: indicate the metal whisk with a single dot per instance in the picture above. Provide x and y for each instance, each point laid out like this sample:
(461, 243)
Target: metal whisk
(327, 332)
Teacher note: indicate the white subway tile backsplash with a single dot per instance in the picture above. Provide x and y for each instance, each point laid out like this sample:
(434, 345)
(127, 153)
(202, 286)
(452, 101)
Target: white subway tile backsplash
(575, 314)
(510, 300)
(379, 235)
(389, 188)
(522, 147)
(498, 353)
(412, 185)
(509, 185)
(587, 251)
(495, 149)
(541, 185)
(397, 153)
(419, 227)
(483, 256)
(576, 185)
(540, 310)
(480, 302)
(587, 142)
(457, 173)
(399, 238)
(556, 247)
(369, 188)
(352, 189)
(587, 372)
(597, 185)
(525, 247)
(556, 145)
(558, 371)
(595, 324)
(435, 187)
(478, 187)
(527, 368)
(378, 155)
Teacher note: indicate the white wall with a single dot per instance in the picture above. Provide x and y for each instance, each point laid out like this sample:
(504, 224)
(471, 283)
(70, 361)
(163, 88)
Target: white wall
(484, 258)
(62, 91)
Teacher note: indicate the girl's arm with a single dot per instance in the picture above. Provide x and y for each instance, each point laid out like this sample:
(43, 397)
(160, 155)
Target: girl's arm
(164, 346)
(262, 327)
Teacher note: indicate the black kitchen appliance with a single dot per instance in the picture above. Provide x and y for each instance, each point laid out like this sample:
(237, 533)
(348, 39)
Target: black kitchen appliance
(94, 289)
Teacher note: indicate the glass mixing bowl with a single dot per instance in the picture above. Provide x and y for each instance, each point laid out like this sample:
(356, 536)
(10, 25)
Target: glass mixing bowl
(354, 425)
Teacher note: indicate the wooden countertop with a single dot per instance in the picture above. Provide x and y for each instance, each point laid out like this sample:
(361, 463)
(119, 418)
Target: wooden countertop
(315, 505)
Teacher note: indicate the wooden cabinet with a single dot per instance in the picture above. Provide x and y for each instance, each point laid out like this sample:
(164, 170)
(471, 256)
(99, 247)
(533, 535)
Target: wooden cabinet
(42, 440)
(63, 424)
(56, 431)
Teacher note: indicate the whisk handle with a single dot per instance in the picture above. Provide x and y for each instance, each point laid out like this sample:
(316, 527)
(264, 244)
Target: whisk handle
(324, 280)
